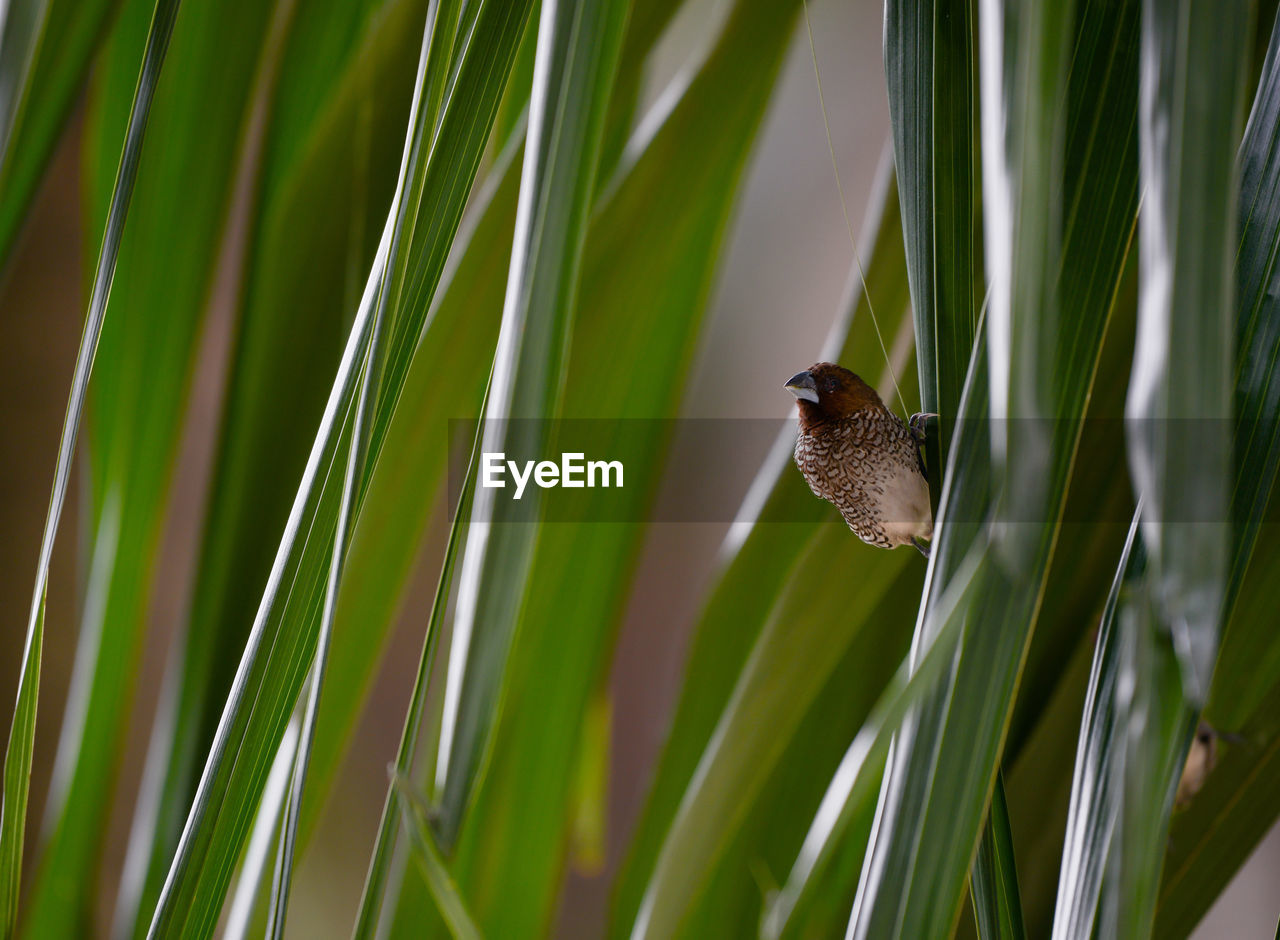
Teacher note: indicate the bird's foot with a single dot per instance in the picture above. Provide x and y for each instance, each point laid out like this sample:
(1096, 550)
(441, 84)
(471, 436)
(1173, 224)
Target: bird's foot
(919, 423)
(920, 545)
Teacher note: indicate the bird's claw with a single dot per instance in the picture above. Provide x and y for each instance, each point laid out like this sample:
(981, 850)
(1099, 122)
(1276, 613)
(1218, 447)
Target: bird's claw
(919, 423)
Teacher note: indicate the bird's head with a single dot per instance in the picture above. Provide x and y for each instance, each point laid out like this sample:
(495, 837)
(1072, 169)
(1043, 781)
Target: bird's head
(827, 391)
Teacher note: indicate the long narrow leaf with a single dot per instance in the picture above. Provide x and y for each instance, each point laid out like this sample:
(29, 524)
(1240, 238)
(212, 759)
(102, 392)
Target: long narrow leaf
(1095, 796)
(168, 261)
(994, 883)
(17, 764)
(433, 68)
(1178, 415)
(427, 854)
(284, 633)
(371, 895)
(445, 380)
(1180, 397)
(1248, 641)
(329, 164)
(930, 52)
(249, 892)
(578, 47)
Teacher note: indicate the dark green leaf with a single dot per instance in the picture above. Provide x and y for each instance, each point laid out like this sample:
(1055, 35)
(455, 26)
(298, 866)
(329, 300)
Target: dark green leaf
(1178, 409)
(930, 55)
(1214, 836)
(994, 882)
(1095, 785)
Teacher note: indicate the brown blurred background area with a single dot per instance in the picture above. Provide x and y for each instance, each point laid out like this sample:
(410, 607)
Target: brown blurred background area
(778, 291)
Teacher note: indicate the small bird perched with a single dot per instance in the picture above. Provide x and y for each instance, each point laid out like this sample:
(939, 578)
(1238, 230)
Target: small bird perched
(1202, 757)
(857, 454)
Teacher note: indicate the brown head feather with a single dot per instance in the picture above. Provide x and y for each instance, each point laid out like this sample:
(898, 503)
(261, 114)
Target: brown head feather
(841, 393)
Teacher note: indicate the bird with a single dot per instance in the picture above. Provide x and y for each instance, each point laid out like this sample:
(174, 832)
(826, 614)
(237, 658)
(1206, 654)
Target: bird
(858, 455)
(1202, 757)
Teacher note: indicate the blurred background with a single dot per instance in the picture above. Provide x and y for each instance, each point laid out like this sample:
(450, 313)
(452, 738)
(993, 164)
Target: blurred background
(779, 289)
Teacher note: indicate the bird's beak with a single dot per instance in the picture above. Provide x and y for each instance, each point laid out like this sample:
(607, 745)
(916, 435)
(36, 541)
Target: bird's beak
(802, 386)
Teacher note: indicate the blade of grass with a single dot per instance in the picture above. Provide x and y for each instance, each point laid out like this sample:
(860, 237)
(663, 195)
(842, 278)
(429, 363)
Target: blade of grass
(1179, 454)
(578, 47)
(380, 862)
(169, 256)
(17, 764)
(1025, 58)
(994, 881)
(1212, 837)
(444, 889)
(1257, 331)
(284, 632)
(246, 899)
(441, 27)
(1052, 692)
(1095, 797)
(1180, 399)
(930, 53)
(1155, 727)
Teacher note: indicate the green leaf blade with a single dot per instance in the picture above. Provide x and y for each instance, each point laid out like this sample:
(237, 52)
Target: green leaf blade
(1179, 429)
(574, 70)
(327, 170)
(22, 732)
(994, 882)
(284, 633)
